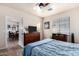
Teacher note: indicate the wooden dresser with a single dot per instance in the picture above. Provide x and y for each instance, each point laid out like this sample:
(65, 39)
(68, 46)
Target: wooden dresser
(61, 37)
(31, 37)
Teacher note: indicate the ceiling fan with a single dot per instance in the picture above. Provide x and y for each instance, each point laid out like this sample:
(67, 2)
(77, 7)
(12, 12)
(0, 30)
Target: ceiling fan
(43, 4)
(43, 7)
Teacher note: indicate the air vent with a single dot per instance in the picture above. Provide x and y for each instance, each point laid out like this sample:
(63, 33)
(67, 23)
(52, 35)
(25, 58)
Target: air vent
(50, 9)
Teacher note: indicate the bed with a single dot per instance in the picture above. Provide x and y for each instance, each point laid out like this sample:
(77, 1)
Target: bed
(51, 47)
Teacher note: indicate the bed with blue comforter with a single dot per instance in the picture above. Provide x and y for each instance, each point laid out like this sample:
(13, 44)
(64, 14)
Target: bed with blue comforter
(51, 47)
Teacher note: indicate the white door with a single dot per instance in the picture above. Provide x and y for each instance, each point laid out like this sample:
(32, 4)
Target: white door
(21, 33)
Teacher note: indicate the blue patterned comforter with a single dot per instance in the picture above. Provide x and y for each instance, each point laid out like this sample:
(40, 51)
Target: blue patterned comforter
(52, 47)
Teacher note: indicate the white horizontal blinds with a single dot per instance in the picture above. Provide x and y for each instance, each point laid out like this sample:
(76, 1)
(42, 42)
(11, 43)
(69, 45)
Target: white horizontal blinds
(56, 26)
(62, 25)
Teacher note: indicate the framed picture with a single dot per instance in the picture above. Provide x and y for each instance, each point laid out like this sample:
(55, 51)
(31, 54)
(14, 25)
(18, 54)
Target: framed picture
(47, 25)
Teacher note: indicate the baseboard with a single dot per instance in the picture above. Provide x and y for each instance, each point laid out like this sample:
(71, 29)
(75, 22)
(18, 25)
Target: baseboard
(3, 48)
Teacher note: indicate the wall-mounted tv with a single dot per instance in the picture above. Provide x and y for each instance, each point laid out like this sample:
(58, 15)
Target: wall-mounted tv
(32, 29)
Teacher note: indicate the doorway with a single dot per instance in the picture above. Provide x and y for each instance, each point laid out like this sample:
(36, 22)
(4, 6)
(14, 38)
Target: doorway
(14, 33)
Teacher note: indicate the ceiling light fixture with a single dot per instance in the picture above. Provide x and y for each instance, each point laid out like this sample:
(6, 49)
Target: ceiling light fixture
(42, 7)
(37, 8)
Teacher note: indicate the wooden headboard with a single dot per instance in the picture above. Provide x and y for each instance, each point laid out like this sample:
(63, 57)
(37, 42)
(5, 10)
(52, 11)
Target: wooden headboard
(58, 36)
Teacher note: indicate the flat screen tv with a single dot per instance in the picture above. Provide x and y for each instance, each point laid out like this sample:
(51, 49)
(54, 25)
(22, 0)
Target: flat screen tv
(32, 29)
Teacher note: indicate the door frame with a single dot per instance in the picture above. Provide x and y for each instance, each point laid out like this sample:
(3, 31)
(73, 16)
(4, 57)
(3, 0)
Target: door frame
(6, 22)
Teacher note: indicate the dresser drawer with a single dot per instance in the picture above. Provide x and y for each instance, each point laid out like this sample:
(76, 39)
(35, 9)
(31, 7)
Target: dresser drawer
(31, 37)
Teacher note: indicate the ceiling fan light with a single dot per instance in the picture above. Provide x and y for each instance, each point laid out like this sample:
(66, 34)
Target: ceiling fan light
(37, 9)
(52, 6)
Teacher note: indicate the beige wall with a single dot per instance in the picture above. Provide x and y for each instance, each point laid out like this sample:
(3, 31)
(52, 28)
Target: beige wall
(28, 19)
(74, 22)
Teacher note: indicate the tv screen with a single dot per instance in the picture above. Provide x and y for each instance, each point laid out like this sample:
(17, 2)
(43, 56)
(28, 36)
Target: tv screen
(32, 28)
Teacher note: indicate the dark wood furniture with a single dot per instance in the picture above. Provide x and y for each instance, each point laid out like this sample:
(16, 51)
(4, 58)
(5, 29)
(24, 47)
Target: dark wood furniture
(13, 35)
(31, 37)
(61, 37)
(72, 38)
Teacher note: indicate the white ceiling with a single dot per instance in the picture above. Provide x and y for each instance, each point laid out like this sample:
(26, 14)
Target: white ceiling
(28, 7)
